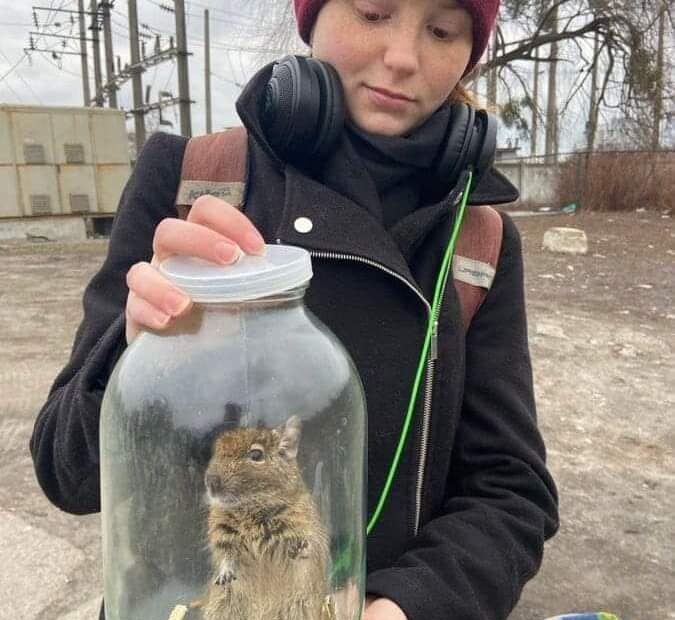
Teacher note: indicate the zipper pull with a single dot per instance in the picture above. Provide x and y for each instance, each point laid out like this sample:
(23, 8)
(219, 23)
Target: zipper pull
(434, 342)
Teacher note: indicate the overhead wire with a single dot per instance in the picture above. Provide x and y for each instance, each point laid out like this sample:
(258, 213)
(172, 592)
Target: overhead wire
(51, 22)
(26, 54)
(13, 68)
(197, 39)
(30, 88)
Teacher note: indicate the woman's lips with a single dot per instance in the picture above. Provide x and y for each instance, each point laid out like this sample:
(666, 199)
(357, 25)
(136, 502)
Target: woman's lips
(390, 93)
(384, 99)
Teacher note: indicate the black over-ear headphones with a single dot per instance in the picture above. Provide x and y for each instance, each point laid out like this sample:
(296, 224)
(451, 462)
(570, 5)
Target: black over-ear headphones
(303, 114)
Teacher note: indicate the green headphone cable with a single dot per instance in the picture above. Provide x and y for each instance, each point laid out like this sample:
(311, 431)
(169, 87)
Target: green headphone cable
(431, 329)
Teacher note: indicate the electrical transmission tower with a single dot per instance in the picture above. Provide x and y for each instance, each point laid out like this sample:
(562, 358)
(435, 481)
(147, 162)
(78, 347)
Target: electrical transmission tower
(99, 16)
(178, 10)
(140, 62)
(56, 54)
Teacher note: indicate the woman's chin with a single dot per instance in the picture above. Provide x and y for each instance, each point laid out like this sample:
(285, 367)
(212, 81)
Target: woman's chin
(382, 125)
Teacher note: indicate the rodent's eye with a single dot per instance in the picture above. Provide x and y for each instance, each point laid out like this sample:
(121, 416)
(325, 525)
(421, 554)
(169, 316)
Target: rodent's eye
(256, 454)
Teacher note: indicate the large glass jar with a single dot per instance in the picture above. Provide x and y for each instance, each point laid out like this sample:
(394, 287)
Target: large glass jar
(233, 456)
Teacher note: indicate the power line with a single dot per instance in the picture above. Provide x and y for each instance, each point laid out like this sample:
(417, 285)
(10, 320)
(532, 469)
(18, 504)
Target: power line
(22, 78)
(217, 10)
(171, 74)
(59, 67)
(13, 68)
(228, 80)
(249, 20)
(11, 89)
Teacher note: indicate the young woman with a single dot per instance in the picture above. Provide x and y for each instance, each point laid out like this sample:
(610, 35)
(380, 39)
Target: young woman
(473, 502)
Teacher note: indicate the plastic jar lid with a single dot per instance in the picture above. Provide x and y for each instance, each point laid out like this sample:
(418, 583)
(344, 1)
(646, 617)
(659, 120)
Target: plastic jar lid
(283, 267)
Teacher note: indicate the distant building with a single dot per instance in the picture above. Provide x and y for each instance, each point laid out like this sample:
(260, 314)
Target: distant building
(507, 152)
(61, 169)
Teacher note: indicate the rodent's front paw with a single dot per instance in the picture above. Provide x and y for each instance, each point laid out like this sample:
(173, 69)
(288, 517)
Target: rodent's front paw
(298, 549)
(225, 577)
(225, 572)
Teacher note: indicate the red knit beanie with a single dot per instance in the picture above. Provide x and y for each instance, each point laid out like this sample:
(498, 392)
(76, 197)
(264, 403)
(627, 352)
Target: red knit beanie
(483, 13)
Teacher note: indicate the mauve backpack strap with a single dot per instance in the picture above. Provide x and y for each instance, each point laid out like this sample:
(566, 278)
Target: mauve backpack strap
(214, 164)
(475, 262)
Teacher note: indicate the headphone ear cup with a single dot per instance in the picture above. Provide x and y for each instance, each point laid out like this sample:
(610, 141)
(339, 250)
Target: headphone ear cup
(302, 109)
(290, 106)
(483, 153)
(453, 155)
(332, 109)
(471, 142)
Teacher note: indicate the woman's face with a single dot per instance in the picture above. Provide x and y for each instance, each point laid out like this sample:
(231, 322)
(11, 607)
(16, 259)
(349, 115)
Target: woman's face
(414, 49)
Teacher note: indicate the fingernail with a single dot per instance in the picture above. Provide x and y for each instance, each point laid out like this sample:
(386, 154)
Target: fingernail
(175, 302)
(227, 253)
(254, 243)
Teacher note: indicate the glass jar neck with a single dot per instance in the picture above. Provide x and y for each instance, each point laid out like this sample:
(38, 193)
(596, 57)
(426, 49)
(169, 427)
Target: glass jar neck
(289, 297)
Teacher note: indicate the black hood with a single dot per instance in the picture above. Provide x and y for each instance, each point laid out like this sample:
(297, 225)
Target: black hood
(494, 187)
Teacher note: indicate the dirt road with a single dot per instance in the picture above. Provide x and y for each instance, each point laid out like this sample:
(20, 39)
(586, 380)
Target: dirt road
(602, 330)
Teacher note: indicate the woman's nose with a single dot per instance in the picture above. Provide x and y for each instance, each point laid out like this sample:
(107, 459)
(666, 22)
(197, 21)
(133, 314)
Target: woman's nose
(402, 53)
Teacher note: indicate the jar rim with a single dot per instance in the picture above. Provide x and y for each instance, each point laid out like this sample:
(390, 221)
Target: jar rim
(281, 268)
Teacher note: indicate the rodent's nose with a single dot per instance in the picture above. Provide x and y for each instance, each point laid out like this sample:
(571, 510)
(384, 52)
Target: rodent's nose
(214, 484)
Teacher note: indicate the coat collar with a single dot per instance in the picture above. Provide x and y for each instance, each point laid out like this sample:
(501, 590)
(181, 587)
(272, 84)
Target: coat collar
(338, 225)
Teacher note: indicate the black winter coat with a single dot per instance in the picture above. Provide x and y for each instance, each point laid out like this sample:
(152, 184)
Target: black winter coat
(473, 502)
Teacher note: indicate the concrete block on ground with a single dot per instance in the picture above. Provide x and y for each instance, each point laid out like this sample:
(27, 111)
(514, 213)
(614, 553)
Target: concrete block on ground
(565, 240)
(50, 228)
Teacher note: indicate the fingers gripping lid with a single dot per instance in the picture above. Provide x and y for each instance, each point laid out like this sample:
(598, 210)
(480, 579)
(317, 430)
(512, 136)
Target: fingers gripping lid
(282, 268)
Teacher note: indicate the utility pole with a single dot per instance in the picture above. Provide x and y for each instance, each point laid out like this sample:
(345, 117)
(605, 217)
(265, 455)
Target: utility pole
(106, 5)
(98, 96)
(137, 82)
(658, 96)
(207, 70)
(83, 54)
(535, 110)
(183, 80)
(552, 104)
(593, 112)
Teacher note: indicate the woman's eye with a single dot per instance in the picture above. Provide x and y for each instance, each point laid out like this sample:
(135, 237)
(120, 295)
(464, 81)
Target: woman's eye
(440, 33)
(369, 16)
(256, 455)
(370, 11)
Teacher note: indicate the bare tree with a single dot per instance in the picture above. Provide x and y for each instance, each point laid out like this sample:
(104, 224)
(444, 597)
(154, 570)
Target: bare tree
(624, 75)
(618, 45)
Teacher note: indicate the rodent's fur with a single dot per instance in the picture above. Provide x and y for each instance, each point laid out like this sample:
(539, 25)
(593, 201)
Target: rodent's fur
(269, 549)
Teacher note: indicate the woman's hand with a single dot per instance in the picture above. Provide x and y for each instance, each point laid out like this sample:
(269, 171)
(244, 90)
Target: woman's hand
(215, 231)
(382, 609)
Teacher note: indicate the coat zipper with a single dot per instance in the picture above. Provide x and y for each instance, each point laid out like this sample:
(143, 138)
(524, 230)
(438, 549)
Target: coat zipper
(429, 379)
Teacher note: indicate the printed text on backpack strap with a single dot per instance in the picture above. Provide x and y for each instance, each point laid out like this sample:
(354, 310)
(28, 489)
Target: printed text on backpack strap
(214, 164)
(475, 262)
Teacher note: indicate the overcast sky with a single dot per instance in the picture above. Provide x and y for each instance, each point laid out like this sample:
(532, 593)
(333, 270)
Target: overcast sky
(40, 78)
(44, 80)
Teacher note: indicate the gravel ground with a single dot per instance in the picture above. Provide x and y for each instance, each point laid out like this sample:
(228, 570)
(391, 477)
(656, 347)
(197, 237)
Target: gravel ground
(602, 330)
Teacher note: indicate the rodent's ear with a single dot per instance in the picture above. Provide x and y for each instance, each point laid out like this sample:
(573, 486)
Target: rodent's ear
(232, 417)
(290, 437)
